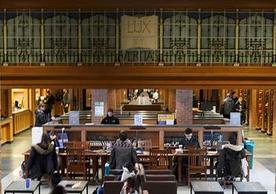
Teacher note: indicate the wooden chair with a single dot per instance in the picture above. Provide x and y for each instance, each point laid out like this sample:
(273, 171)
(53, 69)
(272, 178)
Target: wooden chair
(159, 159)
(76, 163)
(146, 144)
(77, 144)
(197, 163)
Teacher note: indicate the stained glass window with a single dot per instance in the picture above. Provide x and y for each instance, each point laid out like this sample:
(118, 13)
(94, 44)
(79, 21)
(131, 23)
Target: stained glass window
(256, 38)
(61, 37)
(23, 37)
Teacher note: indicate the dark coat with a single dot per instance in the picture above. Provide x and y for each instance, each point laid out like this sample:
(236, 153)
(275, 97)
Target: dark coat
(122, 154)
(110, 120)
(41, 118)
(229, 161)
(42, 161)
(193, 142)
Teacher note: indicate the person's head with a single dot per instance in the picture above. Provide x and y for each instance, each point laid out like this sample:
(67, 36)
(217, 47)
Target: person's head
(42, 106)
(45, 140)
(123, 135)
(129, 185)
(233, 94)
(129, 166)
(240, 99)
(58, 190)
(188, 133)
(16, 104)
(110, 112)
(233, 139)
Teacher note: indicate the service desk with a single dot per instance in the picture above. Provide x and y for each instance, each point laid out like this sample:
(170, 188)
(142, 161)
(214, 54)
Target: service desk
(156, 133)
(6, 130)
(22, 120)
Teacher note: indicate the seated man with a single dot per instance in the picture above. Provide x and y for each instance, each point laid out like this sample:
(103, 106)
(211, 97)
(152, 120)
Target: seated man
(110, 119)
(123, 152)
(42, 159)
(189, 139)
(229, 161)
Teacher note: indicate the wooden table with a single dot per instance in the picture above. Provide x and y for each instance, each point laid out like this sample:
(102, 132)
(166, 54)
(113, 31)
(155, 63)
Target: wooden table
(206, 187)
(104, 156)
(248, 188)
(67, 184)
(20, 187)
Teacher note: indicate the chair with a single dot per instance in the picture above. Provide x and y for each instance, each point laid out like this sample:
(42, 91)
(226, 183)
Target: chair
(197, 163)
(145, 144)
(76, 162)
(159, 159)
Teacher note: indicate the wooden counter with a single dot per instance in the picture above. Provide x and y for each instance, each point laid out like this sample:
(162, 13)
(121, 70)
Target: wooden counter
(156, 133)
(6, 130)
(22, 120)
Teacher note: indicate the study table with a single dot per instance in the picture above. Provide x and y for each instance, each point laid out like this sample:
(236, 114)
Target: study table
(104, 156)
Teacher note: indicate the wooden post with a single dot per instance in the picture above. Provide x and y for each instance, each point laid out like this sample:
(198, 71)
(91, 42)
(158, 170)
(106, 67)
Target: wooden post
(253, 109)
(274, 115)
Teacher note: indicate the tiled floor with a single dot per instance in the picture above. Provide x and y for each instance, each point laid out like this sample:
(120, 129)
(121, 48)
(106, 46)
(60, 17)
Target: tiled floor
(263, 169)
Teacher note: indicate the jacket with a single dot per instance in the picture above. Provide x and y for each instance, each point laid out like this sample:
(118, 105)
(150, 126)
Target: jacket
(41, 118)
(42, 161)
(193, 142)
(229, 161)
(122, 153)
(110, 120)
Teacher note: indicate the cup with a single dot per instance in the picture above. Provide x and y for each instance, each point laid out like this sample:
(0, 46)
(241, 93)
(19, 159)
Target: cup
(27, 183)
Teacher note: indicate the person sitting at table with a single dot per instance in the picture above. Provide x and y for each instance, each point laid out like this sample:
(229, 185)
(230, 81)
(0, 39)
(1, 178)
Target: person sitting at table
(42, 159)
(189, 139)
(229, 162)
(110, 119)
(123, 152)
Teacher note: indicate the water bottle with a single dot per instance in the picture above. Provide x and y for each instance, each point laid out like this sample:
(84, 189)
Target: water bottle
(106, 169)
(27, 183)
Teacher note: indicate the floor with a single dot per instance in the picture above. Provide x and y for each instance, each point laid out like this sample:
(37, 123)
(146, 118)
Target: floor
(263, 169)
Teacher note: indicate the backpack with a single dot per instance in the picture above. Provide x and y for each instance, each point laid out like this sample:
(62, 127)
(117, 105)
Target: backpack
(56, 178)
(228, 106)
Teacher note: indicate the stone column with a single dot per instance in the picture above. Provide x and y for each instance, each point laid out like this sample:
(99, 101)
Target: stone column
(99, 95)
(184, 105)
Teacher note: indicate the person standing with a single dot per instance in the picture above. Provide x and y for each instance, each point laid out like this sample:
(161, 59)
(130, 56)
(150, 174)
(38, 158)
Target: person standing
(228, 105)
(41, 117)
(123, 152)
(241, 107)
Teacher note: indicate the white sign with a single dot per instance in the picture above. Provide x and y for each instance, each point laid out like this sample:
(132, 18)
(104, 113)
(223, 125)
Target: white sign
(138, 119)
(235, 118)
(36, 135)
(74, 118)
(139, 32)
(99, 109)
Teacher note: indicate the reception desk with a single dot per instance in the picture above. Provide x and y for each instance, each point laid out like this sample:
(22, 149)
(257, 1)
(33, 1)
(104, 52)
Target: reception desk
(22, 120)
(156, 133)
(6, 130)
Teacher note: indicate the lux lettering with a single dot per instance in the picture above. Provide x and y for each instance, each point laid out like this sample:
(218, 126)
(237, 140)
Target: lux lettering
(138, 26)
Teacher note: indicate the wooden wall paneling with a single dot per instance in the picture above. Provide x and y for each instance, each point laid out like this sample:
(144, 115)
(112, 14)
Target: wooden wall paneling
(253, 110)
(144, 77)
(274, 115)
(112, 99)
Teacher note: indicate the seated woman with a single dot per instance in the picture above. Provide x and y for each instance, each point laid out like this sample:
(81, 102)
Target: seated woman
(42, 159)
(229, 162)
